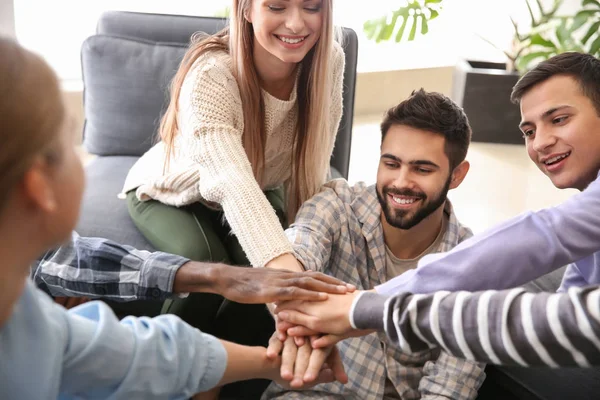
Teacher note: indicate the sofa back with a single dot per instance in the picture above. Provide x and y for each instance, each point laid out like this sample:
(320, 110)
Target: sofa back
(127, 68)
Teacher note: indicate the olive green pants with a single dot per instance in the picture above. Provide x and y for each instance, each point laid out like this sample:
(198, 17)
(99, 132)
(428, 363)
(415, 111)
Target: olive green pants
(202, 234)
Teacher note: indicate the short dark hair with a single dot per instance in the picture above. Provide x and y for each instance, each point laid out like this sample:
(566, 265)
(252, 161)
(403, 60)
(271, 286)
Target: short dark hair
(584, 68)
(433, 112)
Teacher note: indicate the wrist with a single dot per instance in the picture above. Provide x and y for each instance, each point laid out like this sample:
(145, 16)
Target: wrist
(197, 277)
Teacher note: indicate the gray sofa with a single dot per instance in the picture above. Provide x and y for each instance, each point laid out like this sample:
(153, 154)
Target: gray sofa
(127, 66)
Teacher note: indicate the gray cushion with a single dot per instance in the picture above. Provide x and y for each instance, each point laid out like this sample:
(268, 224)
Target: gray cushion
(126, 82)
(102, 213)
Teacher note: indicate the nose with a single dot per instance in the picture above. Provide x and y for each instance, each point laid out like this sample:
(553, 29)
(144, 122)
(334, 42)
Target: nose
(403, 179)
(295, 21)
(544, 139)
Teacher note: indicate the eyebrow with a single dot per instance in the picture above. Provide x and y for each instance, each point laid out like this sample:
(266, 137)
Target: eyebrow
(413, 162)
(546, 114)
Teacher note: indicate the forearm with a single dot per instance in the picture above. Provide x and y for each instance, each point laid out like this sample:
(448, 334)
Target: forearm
(245, 362)
(100, 268)
(512, 253)
(509, 327)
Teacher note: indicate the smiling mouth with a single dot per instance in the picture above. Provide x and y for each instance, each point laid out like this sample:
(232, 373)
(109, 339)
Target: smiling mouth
(556, 159)
(290, 40)
(403, 200)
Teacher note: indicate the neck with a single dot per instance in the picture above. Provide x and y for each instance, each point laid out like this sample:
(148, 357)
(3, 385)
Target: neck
(275, 76)
(407, 244)
(19, 249)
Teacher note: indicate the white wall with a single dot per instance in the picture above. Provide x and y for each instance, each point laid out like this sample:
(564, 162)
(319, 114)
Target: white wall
(7, 18)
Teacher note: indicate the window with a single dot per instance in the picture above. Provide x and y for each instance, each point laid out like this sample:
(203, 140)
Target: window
(56, 29)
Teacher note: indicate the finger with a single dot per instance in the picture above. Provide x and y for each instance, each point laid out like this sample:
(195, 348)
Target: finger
(326, 278)
(282, 327)
(325, 341)
(299, 340)
(296, 330)
(320, 282)
(288, 357)
(288, 305)
(298, 318)
(72, 302)
(296, 293)
(275, 347)
(337, 366)
(302, 359)
(325, 376)
(317, 358)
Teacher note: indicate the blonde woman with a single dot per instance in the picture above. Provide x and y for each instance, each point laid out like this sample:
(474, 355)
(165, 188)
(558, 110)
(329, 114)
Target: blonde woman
(252, 121)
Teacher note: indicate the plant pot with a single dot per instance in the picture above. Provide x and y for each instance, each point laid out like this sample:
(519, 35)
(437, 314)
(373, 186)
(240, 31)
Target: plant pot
(483, 90)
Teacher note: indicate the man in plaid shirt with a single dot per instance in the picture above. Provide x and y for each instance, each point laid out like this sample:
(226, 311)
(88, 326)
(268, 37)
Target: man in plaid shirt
(366, 235)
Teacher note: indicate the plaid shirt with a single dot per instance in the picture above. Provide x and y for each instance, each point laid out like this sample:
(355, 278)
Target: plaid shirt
(339, 232)
(100, 268)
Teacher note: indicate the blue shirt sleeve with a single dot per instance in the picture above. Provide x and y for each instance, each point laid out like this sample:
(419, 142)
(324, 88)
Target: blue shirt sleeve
(162, 357)
(512, 253)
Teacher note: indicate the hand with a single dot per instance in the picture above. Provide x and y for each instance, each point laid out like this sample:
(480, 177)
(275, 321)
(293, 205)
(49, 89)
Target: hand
(330, 316)
(70, 302)
(317, 341)
(256, 285)
(302, 365)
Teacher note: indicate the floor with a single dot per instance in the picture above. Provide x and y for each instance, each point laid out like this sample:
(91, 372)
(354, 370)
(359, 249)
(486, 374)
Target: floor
(501, 183)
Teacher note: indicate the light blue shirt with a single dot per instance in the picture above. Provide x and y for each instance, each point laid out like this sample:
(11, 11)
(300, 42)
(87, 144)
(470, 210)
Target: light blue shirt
(47, 352)
(517, 251)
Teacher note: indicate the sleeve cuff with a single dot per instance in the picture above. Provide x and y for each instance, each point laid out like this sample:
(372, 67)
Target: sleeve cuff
(367, 311)
(158, 274)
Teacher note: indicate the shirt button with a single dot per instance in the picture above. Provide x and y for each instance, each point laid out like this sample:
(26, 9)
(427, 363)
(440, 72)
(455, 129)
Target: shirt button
(156, 293)
(101, 291)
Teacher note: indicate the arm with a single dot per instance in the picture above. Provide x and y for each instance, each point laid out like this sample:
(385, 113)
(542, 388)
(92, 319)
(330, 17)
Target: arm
(508, 327)
(95, 267)
(512, 253)
(451, 378)
(572, 278)
(214, 122)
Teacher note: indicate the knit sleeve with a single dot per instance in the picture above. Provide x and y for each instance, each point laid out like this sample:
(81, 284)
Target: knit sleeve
(226, 176)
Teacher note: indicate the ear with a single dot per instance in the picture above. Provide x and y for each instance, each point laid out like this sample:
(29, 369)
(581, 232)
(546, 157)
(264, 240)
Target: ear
(459, 173)
(247, 16)
(37, 187)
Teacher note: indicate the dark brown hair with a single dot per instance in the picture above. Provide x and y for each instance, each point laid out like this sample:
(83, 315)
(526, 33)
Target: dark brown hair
(584, 68)
(433, 112)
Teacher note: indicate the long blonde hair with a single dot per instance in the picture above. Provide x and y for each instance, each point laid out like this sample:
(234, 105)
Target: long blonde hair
(313, 137)
(31, 112)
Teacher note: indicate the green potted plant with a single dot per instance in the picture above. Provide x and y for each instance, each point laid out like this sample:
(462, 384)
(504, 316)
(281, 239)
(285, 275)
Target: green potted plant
(483, 88)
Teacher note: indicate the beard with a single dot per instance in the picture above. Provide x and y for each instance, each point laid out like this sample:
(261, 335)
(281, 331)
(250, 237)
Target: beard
(406, 219)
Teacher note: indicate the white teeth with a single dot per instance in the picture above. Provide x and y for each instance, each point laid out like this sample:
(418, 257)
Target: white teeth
(555, 159)
(403, 201)
(291, 41)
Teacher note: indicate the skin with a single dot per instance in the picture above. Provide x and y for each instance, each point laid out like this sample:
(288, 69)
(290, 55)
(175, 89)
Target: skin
(274, 60)
(558, 119)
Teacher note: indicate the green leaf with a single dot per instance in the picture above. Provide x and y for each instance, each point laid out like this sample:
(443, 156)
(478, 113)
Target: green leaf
(586, 13)
(537, 39)
(595, 46)
(578, 22)
(433, 15)
(413, 29)
(563, 35)
(386, 32)
(591, 32)
(401, 30)
(588, 2)
(433, 1)
(525, 60)
(424, 26)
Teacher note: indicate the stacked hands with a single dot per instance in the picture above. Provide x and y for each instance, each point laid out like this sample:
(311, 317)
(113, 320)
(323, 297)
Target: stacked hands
(306, 334)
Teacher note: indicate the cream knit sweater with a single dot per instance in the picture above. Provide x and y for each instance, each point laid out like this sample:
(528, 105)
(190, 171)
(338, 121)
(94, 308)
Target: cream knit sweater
(209, 163)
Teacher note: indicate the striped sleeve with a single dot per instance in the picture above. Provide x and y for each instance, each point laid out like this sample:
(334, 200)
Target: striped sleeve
(510, 327)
